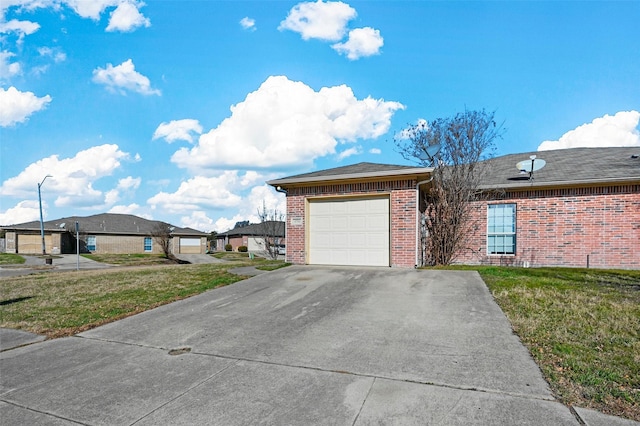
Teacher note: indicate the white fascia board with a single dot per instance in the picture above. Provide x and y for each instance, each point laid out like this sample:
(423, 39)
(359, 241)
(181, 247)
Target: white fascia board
(364, 175)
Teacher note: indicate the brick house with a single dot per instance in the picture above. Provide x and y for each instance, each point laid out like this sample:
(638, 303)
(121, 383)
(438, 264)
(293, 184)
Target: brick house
(101, 234)
(581, 209)
(251, 236)
(364, 214)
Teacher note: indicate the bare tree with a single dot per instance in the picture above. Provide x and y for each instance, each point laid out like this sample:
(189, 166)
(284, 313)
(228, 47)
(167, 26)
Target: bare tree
(272, 229)
(161, 233)
(464, 140)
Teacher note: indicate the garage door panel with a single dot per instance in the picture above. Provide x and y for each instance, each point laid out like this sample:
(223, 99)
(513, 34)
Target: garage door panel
(358, 223)
(376, 222)
(349, 232)
(190, 245)
(339, 223)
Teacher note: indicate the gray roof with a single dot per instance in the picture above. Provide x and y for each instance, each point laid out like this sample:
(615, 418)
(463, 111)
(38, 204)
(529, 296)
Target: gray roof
(574, 166)
(354, 171)
(104, 223)
(256, 229)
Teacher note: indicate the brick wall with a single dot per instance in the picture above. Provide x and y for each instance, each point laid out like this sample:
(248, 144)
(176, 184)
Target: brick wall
(294, 229)
(402, 209)
(116, 244)
(563, 227)
(403, 228)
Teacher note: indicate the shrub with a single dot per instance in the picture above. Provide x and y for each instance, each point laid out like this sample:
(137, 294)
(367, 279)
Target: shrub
(228, 247)
(242, 249)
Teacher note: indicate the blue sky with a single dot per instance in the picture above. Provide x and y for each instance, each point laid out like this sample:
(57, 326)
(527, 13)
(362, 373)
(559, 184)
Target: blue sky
(181, 110)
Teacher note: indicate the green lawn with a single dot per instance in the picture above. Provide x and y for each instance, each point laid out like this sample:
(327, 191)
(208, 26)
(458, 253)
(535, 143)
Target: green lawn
(11, 259)
(582, 327)
(64, 303)
(136, 259)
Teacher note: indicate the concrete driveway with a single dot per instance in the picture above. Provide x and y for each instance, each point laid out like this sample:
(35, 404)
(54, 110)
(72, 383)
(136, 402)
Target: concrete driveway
(296, 346)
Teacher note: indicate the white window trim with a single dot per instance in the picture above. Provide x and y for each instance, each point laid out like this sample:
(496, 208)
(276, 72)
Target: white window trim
(144, 243)
(514, 233)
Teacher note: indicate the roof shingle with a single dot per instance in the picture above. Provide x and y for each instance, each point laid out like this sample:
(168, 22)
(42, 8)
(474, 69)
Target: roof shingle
(105, 223)
(566, 167)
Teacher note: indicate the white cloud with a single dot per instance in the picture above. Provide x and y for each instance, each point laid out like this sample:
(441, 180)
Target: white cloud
(286, 123)
(127, 18)
(91, 9)
(200, 192)
(620, 129)
(21, 28)
(24, 211)
(129, 183)
(254, 201)
(319, 20)
(375, 151)
(71, 179)
(362, 42)
(197, 220)
(56, 54)
(349, 152)
(7, 68)
(248, 23)
(224, 224)
(16, 106)
(123, 78)
(133, 209)
(178, 130)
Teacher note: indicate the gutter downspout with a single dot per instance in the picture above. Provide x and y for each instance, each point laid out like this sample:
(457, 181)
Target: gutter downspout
(418, 246)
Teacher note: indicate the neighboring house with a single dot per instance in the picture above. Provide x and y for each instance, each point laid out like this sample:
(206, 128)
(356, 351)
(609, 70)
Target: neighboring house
(581, 209)
(101, 234)
(252, 236)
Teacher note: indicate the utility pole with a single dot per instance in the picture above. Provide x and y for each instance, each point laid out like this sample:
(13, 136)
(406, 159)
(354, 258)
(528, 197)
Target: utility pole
(44, 248)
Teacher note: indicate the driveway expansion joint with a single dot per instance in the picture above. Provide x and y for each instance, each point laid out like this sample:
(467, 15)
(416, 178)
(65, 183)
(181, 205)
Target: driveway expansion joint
(364, 400)
(576, 415)
(46, 413)
(549, 398)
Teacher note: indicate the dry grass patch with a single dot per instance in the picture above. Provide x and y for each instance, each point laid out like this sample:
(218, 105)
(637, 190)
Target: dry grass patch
(136, 259)
(582, 327)
(63, 304)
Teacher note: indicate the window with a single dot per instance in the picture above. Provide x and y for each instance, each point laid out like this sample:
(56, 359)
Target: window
(91, 243)
(148, 244)
(501, 229)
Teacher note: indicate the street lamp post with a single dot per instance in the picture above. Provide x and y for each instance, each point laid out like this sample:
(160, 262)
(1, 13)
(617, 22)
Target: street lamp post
(44, 248)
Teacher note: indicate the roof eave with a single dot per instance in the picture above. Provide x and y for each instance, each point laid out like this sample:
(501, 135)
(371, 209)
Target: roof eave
(352, 176)
(584, 182)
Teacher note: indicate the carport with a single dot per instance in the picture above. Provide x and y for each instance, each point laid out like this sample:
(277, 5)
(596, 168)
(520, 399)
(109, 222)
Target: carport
(365, 214)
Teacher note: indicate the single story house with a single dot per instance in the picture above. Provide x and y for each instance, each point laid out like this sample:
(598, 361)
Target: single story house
(104, 233)
(581, 209)
(363, 214)
(252, 236)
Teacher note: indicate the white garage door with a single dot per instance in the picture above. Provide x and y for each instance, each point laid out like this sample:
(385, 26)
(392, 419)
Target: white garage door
(190, 245)
(349, 232)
